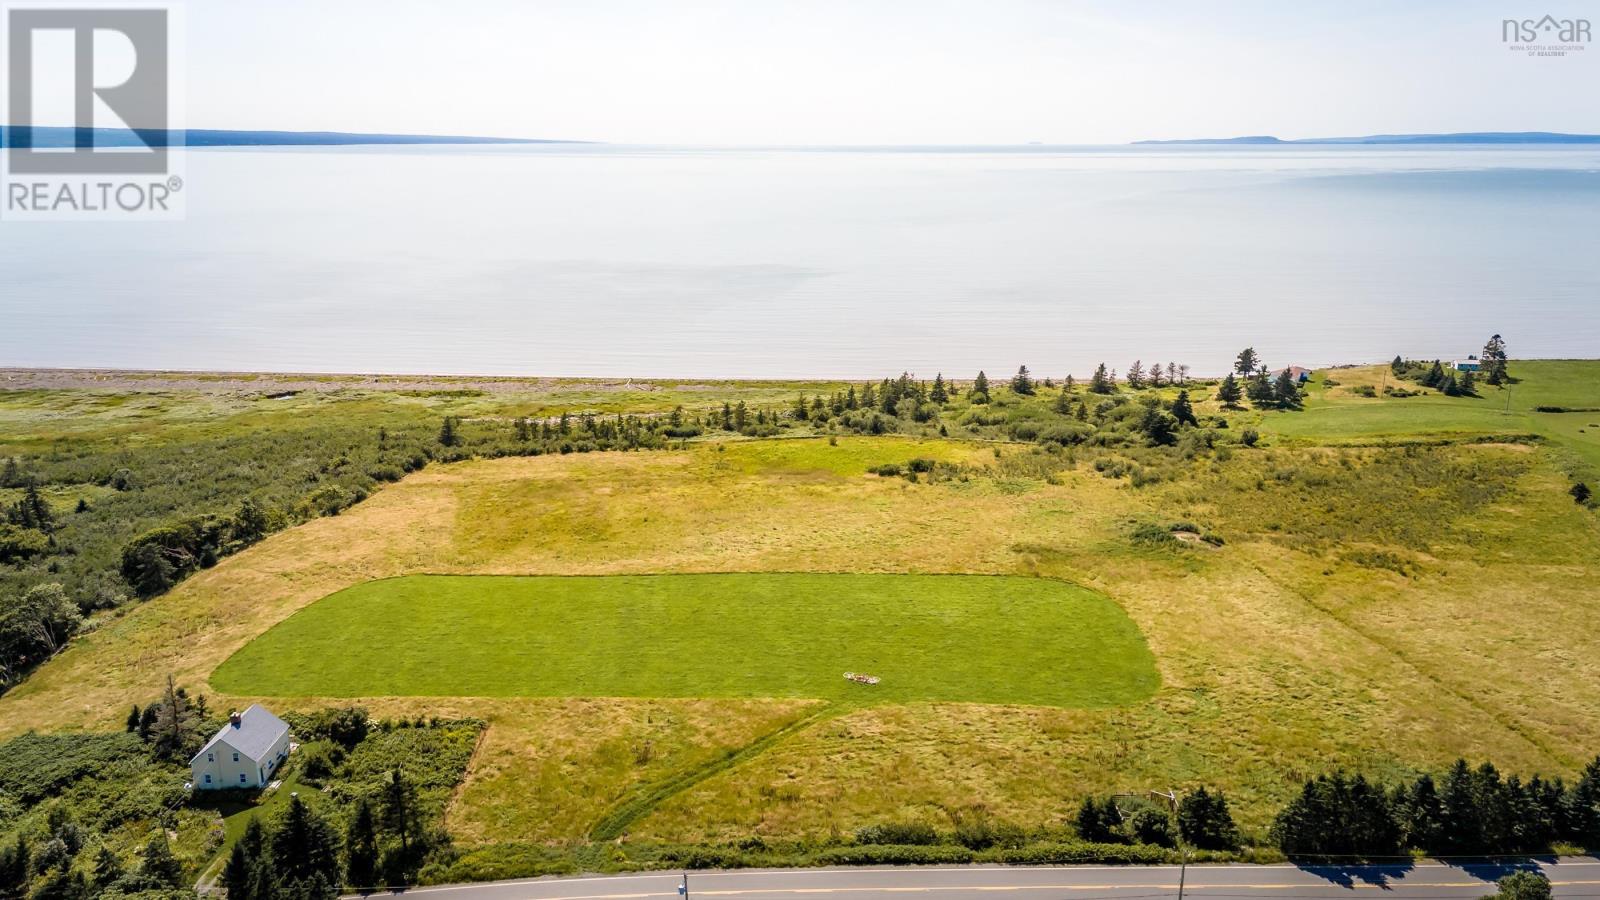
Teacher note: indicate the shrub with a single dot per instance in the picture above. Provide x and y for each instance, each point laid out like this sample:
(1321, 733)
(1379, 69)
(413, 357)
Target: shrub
(1249, 437)
(897, 833)
(1087, 852)
(984, 833)
(894, 855)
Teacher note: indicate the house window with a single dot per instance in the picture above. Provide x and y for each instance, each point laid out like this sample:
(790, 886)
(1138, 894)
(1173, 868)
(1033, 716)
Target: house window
(241, 778)
(211, 757)
(235, 756)
(208, 779)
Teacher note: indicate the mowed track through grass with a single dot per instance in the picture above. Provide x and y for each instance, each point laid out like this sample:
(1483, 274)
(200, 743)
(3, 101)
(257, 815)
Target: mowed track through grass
(963, 638)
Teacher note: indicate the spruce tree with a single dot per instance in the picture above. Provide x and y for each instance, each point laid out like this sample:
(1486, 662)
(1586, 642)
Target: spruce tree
(1101, 382)
(1286, 391)
(448, 436)
(1182, 410)
(304, 848)
(980, 389)
(938, 394)
(1228, 392)
(1136, 375)
(158, 866)
(1580, 493)
(1260, 390)
(1022, 382)
(1247, 362)
(1493, 361)
(361, 849)
(1398, 365)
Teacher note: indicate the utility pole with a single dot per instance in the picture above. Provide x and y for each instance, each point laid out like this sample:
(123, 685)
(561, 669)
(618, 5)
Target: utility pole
(683, 888)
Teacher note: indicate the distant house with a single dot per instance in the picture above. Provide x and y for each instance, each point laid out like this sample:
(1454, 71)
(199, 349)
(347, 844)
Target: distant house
(1300, 375)
(1470, 364)
(244, 754)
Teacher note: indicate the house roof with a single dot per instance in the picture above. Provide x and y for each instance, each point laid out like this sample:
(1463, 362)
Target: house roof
(255, 734)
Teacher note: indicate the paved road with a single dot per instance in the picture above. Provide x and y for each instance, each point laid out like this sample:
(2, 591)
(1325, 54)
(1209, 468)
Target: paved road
(1572, 878)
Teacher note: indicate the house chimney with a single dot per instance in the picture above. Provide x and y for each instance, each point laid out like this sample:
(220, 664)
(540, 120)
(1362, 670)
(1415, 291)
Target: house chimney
(234, 718)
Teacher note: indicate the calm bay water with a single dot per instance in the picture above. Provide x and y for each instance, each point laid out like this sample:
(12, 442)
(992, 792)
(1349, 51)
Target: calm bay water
(626, 261)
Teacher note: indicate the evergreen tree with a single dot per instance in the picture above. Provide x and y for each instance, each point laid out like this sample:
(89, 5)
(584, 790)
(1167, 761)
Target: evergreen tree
(1205, 822)
(11, 475)
(938, 394)
(158, 866)
(1460, 827)
(1580, 493)
(1063, 403)
(1182, 410)
(1260, 390)
(1022, 382)
(1397, 365)
(1159, 427)
(448, 435)
(1420, 815)
(1136, 375)
(1286, 391)
(361, 849)
(304, 850)
(1097, 822)
(1156, 374)
(1228, 392)
(107, 868)
(980, 389)
(240, 875)
(132, 724)
(1070, 385)
(398, 810)
(1493, 361)
(1468, 386)
(1247, 362)
(1100, 382)
(1435, 376)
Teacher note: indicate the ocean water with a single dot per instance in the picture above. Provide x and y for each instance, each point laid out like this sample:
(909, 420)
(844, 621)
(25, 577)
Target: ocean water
(684, 262)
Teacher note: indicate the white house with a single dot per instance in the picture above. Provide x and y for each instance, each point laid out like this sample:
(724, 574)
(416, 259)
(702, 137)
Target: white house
(244, 754)
(1470, 364)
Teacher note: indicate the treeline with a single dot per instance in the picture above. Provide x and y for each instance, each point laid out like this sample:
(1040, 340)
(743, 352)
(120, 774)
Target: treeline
(1469, 812)
(162, 513)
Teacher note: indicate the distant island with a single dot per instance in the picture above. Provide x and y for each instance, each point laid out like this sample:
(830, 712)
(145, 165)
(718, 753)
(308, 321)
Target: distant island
(1466, 137)
(55, 137)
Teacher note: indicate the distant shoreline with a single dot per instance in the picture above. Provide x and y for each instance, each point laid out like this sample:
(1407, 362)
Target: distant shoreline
(58, 137)
(1465, 137)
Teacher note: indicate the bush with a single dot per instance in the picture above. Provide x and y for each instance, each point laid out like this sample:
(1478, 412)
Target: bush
(1065, 854)
(894, 855)
(897, 833)
(985, 833)
(1249, 437)
(887, 470)
(1522, 886)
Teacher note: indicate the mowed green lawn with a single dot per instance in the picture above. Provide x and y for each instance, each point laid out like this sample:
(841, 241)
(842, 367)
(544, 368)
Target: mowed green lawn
(979, 639)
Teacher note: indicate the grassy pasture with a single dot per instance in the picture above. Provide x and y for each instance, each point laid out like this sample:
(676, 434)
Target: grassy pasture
(1003, 640)
(1373, 607)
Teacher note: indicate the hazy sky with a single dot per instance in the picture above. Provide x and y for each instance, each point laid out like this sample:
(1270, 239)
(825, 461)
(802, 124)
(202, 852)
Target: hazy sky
(880, 71)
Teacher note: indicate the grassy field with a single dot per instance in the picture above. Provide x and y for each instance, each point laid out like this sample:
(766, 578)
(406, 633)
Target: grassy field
(928, 637)
(1401, 581)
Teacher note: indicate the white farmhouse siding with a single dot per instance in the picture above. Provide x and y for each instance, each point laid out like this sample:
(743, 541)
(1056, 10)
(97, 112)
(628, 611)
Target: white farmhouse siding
(244, 754)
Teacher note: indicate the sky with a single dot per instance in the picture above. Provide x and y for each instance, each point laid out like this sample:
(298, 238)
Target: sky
(880, 71)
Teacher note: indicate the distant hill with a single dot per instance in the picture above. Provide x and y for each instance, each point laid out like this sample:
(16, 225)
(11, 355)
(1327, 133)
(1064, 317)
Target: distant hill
(201, 137)
(1466, 137)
